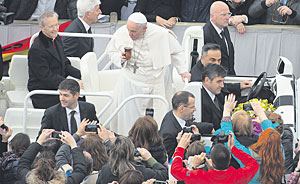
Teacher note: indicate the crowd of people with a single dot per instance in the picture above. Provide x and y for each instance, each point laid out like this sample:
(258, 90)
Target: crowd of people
(73, 147)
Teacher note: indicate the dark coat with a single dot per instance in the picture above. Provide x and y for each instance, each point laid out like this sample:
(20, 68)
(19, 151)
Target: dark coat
(195, 10)
(210, 113)
(23, 9)
(163, 8)
(47, 67)
(77, 46)
(108, 6)
(243, 10)
(287, 143)
(170, 128)
(159, 152)
(55, 117)
(211, 36)
(158, 171)
(79, 165)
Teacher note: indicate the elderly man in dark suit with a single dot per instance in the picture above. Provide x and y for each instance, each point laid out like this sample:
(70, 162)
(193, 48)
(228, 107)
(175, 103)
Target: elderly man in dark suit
(47, 63)
(216, 31)
(88, 11)
(68, 114)
(183, 104)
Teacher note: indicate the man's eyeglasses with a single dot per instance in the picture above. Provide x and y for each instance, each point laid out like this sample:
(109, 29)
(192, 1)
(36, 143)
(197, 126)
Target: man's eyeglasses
(226, 14)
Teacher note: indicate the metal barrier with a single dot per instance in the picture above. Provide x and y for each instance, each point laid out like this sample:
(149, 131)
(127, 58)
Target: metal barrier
(131, 98)
(85, 35)
(51, 92)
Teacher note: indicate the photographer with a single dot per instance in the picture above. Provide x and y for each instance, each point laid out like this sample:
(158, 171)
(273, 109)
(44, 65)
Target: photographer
(94, 152)
(267, 151)
(41, 169)
(183, 104)
(122, 159)
(220, 159)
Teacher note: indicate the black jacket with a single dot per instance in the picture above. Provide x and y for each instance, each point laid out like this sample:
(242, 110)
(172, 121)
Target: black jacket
(55, 117)
(211, 36)
(23, 9)
(47, 67)
(170, 128)
(77, 46)
(158, 171)
(163, 8)
(287, 143)
(195, 10)
(79, 165)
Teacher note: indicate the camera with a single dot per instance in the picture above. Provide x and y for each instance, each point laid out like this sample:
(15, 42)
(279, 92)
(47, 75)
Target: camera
(220, 138)
(247, 107)
(56, 134)
(187, 130)
(149, 112)
(91, 128)
(6, 18)
(195, 137)
(4, 127)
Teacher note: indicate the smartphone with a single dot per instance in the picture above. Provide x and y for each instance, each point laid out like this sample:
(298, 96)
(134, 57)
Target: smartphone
(4, 127)
(247, 107)
(149, 112)
(91, 128)
(56, 134)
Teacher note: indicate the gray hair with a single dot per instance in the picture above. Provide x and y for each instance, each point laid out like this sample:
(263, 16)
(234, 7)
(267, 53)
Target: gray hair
(86, 5)
(46, 14)
(121, 156)
(209, 46)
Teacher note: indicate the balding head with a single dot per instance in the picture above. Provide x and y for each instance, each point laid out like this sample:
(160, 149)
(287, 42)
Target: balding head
(219, 14)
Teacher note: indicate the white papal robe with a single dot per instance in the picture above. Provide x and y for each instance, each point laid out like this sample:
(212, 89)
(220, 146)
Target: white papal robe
(153, 53)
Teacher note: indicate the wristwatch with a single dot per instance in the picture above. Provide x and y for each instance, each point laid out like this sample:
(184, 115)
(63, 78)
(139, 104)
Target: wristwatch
(297, 169)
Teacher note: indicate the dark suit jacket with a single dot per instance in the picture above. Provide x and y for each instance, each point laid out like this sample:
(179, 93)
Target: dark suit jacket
(55, 117)
(211, 36)
(163, 8)
(77, 46)
(210, 113)
(47, 67)
(170, 128)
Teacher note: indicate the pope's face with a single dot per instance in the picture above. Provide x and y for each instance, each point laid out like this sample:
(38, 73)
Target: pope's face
(135, 31)
(50, 27)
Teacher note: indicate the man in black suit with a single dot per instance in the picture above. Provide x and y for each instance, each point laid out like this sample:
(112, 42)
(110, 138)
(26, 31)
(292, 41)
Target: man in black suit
(47, 63)
(88, 12)
(183, 104)
(211, 53)
(68, 114)
(216, 31)
(211, 94)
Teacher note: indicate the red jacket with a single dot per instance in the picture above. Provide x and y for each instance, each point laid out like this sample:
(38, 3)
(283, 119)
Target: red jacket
(231, 175)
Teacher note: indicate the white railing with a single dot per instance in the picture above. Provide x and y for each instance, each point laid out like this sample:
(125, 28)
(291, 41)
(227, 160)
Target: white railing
(52, 92)
(131, 98)
(85, 35)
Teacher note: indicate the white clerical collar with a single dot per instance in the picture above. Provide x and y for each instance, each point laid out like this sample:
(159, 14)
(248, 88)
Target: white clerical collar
(180, 121)
(86, 26)
(217, 29)
(68, 110)
(210, 94)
